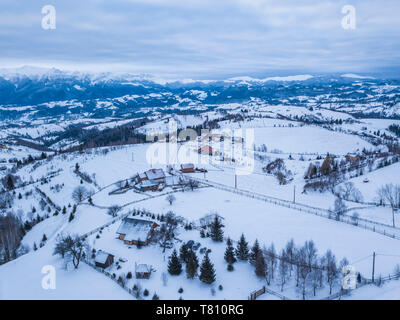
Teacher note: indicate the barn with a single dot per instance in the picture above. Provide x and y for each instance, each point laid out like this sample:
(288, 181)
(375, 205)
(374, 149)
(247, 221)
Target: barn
(103, 259)
(136, 231)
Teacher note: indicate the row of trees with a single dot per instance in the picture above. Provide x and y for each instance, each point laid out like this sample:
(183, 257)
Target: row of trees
(188, 257)
(11, 233)
(301, 264)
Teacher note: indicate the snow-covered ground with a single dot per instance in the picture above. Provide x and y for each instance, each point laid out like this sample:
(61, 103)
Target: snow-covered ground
(269, 223)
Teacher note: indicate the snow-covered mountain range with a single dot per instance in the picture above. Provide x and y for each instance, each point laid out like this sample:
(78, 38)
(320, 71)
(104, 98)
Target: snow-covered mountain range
(32, 93)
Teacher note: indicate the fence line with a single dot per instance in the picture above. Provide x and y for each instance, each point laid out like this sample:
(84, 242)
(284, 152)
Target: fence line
(130, 291)
(122, 216)
(366, 224)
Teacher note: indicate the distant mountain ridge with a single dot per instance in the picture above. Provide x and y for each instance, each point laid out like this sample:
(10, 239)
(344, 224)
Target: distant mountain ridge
(51, 93)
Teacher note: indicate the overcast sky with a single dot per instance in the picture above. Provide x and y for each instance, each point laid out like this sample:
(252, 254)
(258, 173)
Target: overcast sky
(203, 38)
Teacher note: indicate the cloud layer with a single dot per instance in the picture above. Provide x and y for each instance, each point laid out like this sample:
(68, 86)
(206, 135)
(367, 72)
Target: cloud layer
(203, 38)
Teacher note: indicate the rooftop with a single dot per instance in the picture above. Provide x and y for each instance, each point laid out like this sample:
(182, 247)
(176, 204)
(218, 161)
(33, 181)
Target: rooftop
(135, 229)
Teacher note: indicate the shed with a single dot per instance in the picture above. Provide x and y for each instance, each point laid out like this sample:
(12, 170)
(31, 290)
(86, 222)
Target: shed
(187, 167)
(103, 259)
(142, 271)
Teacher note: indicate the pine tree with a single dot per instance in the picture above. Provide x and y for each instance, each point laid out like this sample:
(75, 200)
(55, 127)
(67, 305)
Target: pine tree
(35, 246)
(174, 265)
(260, 264)
(242, 250)
(254, 251)
(64, 210)
(10, 182)
(44, 238)
(207, 272)
(229, 252)
(216, 232)
(184, 253)
(192, 265)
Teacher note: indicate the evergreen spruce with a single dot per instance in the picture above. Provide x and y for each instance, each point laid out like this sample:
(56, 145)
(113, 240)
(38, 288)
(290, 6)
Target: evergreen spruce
(242, 250)
(192, 265)
(174, 265)
(254, 252)
(260, 264)
(229, 252)
(64, 210)
(207, 272)
(216, 232)
(184, 253)
(71, 217)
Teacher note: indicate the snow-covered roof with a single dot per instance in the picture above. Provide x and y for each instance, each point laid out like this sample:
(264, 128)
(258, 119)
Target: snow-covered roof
(174, 180)
(143, 268)
(148, 183)
(142, 175)
(101, 257)
(187, 166)
(135, 229)
(155, 174)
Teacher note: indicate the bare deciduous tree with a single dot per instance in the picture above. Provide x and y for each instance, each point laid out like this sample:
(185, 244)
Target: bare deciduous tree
(170, 198)
(79, 194)
(390, 194)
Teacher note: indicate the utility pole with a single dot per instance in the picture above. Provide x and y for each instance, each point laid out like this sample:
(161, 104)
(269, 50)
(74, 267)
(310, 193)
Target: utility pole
(294, 194)
(235, 181)
(393, 217)
(373, 268)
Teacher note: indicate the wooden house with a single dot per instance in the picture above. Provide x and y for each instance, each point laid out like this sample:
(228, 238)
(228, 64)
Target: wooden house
(103, 259)
(187, 168)
(134, 230)
(142, 271)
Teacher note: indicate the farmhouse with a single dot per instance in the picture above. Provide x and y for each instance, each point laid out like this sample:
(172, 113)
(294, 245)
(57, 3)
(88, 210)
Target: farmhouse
(147, 185)
(136, 231)
(103, 259)
(207, 150)
(187, 167)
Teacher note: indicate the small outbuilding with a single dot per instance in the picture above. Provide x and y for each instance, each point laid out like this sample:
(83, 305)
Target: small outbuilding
(142, 271)
(187, 168)
(103, 259)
